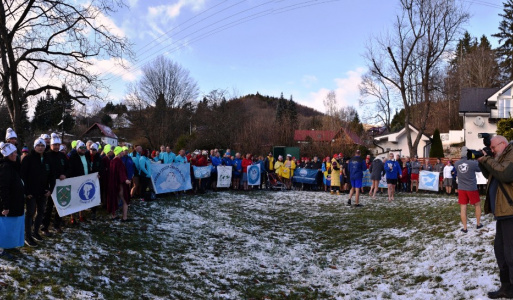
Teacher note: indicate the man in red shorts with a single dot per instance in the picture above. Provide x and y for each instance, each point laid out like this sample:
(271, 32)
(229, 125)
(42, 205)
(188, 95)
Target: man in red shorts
(467, 187)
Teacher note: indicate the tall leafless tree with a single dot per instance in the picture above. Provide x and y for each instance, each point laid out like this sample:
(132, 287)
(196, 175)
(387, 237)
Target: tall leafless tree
(411, 57)
(45, 44)
(379, 98)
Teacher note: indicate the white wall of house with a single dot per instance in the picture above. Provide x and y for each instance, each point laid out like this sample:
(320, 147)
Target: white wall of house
(397, 141)
(453, 137)
(110, 141)
(473, 126)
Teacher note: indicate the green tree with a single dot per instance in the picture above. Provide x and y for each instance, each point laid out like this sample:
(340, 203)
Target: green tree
(398, 121)
(437, 150)
(281, 108)
(505, 128)
(505, 36)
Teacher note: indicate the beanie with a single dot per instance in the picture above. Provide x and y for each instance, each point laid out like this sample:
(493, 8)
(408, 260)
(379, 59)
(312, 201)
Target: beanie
(55, 139)
(7, 148)
(10, 134)
(39, 141)
(118, 150)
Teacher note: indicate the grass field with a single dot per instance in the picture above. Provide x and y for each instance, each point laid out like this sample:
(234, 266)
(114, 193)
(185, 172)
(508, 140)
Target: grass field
(264, 245)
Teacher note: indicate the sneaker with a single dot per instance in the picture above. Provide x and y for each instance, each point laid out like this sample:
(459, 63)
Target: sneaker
(5, 255)
(349, 202)
(30, 242)
(358, 205)
(464, 230)
(37, 237)
(506, 291)
(126, 220)
(479, 226)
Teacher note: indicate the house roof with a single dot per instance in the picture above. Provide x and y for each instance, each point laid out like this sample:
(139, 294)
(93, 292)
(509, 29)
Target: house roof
(474, 99)
(393, 137)
(499, 92)
(315, 135)
(105, 130)
(351, 135)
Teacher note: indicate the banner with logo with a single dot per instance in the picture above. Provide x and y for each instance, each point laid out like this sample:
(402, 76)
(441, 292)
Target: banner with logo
(366, 179)
(75, 194)
(303, 175)
(429, 181)
(383, 182)
(202, 172)
(167, 178)
(224, 176)
(254, 175)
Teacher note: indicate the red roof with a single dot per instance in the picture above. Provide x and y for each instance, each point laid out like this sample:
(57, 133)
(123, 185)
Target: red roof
(105, 130)
(315, 135)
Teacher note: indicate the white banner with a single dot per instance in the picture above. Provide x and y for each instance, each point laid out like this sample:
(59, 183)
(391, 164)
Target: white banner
(428, 180)
(254, 175)
(224, 176)
(75, 194)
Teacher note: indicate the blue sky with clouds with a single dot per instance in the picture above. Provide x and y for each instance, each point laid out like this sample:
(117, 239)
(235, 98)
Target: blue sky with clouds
(302, 48)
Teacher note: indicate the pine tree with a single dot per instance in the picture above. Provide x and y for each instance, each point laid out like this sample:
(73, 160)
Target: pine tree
(437, 150)
(505, 36)
(281, 108)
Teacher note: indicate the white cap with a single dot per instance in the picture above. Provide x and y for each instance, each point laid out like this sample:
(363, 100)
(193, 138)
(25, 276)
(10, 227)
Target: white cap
(10, 134)
(44, 136)
(55, 139)
(204, 152)
(80, 144)
(94, 146)
(39, 141)
(288, 155)
(7, 148)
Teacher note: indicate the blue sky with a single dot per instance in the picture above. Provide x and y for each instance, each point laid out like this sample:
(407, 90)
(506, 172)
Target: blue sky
(302, 48)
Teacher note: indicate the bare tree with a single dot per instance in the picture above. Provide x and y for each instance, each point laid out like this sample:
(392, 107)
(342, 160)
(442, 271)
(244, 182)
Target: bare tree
(411, 58)
(379, 98)
(46, 44)
(330, 105)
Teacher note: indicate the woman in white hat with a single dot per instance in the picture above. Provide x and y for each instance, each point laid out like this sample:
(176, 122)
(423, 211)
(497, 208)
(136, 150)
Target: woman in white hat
(12, 219)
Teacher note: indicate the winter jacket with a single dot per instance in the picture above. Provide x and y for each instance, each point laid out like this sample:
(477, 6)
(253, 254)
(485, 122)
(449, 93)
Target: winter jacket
(168, 158)
(392, 169)
(278, 165)
(216, 161)
(96, 162)
(59, 163)
(237, 164)
(76, 167)
(245, 164)
(136, 159)
(180, 159)
(500, 169)
(129, 165)
(11, 188)
(415, 167)
(269, 164)
(357, 166)
(37, 174)
(145, 165)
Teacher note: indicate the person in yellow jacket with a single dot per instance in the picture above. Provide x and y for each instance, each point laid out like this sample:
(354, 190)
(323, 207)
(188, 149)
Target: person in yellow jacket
(278, 165)
(335, 175)
(287, 171)
(269, 163)
(326, 169)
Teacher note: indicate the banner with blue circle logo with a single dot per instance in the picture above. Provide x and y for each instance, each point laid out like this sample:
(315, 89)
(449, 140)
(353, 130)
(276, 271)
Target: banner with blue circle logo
(308, 176)
(167, 178)
(75, 194)
(254, 175)
(428, 180)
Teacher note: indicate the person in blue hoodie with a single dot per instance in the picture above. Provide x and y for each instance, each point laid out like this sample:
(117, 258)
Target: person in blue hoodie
(145, 174)
(129, 164)
(356, 167)
(237, 171)
(393, 173)
(216, 161)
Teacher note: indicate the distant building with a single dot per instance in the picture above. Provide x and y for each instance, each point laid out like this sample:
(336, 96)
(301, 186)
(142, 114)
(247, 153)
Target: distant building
(398, 143)
(100, 132)
(314, 136)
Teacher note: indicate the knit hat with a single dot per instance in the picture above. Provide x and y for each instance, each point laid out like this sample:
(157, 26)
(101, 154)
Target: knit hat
(73, 144)
(80, 144)
(10, 134)
(39, 141)
(7, 148)
(117, 150)
(124, 148)
(94, 146)
(44, 136)
(107, 149)
(25, 149)
(55, 139)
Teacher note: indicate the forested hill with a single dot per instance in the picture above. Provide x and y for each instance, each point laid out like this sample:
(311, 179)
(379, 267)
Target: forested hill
(270, 102)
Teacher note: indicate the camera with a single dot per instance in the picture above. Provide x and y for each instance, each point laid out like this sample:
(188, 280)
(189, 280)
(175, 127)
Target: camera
(487, 140)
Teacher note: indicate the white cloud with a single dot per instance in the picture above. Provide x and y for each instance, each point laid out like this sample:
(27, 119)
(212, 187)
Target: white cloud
(111, 67)
(173, 10)
(345, 88)
(103, 20)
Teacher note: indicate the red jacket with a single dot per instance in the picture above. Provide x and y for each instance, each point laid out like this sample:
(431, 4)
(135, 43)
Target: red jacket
(245, 163)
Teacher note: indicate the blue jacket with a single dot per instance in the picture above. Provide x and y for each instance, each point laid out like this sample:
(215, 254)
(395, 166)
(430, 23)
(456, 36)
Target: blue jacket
(216, 161)
(145, 165)
(237, 163)
(168, 157)
(392, 169)
(181, 159)
(129, 165)
(227, 162)
(136, 159)
(357, 166)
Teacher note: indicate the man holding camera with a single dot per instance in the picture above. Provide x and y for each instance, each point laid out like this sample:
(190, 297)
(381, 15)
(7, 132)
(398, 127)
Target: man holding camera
(499, 201)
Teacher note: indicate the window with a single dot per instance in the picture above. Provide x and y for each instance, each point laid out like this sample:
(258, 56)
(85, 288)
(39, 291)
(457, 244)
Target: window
(504, 107)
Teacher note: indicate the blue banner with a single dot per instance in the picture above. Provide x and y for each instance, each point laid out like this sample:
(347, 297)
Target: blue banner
(366, 179)
(254, 175)
(307, 176)
(202, 172)
(167, 178)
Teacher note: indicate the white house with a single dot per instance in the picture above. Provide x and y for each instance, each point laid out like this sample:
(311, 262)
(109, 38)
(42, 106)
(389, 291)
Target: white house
(101, 132)
(398, 143)
(481, 109)
(453, 137)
